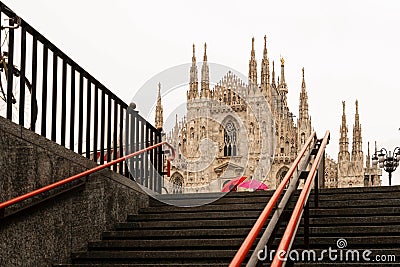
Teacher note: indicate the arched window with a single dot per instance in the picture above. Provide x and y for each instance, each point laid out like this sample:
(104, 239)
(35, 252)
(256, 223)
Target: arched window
(191, 133)
(203, 132)
(230, 140)
(303, 138)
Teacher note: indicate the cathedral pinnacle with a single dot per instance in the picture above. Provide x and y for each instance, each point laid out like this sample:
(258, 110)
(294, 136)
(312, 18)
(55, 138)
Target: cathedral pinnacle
(159, 120)
(265, 46)
(253, 53)
(282, 85)
(193, 89)
(205, 52)
(303, 107)
(205, 76)
(273, 73)
(253, 66)
(159, 94)
(356, 106)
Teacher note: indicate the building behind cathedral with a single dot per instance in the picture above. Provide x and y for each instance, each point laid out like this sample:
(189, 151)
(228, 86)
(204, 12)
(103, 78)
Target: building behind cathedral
(237, 128)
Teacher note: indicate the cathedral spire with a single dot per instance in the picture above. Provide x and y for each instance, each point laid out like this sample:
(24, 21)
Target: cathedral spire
(357, 153)
(265, 86)
(273, 74)
(368, 159)
(253, 66)
(205, 76)
(193, 87)
(303, 106)
(282, 88)
(283, 82)
(304, 121)
(344, 155)
(159, 121)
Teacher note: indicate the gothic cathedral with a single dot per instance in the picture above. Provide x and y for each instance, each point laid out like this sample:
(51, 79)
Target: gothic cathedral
(236, 129)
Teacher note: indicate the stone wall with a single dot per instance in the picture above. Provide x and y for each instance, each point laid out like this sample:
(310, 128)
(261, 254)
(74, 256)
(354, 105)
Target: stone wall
(49, 232)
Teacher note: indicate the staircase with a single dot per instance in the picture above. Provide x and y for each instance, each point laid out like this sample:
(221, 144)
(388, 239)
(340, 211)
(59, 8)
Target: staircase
(352, 221)
(163, 235)
(209, 235)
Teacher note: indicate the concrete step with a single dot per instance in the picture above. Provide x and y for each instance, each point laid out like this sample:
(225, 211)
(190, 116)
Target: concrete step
(183, 233)
(343, 204)
(218, 220)
(200, 244)
(143, 265)
(170, 256)
(210, 198)
(191, 215)
(362, 212)
(356, 221)
(187, 223)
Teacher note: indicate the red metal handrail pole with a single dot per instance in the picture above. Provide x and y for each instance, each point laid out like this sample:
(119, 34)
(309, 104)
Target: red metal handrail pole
(248, 242)
(282, 250)
(82, 174)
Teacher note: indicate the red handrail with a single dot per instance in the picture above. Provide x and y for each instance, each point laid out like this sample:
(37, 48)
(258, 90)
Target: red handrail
(248, 242)
(82, 174)
(296, 215)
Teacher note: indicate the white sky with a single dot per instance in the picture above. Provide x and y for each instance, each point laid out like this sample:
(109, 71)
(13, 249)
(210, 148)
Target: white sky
(350, 49)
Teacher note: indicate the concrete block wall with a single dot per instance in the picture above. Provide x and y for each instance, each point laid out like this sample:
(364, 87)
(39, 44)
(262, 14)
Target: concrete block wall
(48, 234)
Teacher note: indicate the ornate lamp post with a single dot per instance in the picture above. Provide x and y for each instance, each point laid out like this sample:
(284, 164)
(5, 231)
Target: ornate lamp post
(387, 161)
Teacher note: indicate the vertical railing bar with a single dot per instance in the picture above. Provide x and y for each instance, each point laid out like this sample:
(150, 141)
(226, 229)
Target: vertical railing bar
(88, 115)
(151, 163)
(72, 119)
(115, 134)
(22, 79)
(127, 144)
(54, 99)
(95, 122)
(102, 122)
(34, 107)
(63, 101)
(133, 167)
(121, 142)
(109, 128)
(44, 90)
(10, 96)
(138, 145)
(145, 156)
(80, 121)
(160, 164)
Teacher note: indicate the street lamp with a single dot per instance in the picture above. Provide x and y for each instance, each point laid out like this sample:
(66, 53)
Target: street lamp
(387, 161)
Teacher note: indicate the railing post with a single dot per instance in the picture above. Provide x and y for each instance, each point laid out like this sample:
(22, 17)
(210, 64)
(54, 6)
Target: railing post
(10, 67)
(54, 98)
(63, 102)
(22, 79)
(88, 116)
(34, 106)
(95, 122)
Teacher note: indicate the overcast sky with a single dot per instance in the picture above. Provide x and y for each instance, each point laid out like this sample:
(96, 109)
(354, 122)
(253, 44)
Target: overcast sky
(349, 49)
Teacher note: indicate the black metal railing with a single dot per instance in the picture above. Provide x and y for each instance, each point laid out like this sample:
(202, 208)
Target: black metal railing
(47, 92)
